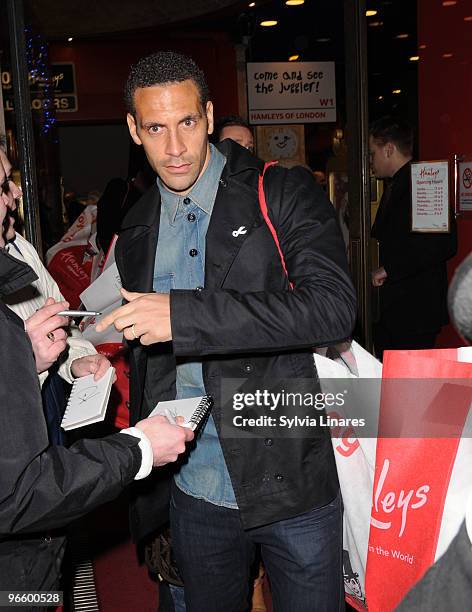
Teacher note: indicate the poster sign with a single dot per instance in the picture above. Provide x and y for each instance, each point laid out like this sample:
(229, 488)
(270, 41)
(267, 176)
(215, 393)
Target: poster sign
(464, 185)
(291, 92)
(430, 196)
(57, 85)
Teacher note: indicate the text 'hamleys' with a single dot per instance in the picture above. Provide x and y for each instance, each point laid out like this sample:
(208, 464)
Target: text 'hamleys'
(391, 500)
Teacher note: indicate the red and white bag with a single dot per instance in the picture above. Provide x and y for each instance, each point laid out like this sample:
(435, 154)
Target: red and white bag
(414, 495)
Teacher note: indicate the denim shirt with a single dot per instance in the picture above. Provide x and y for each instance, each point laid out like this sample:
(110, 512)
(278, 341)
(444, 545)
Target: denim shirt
(180, 264)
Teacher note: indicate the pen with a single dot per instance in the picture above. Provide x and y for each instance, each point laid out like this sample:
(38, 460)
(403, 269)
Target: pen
(79, 313)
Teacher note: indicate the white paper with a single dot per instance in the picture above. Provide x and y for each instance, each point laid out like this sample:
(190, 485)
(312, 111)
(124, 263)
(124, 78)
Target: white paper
(430, 196)
(104, 291)
(110, 335)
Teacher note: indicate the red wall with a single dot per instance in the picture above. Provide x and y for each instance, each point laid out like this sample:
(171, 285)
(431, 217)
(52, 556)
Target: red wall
(101, 68)
(445, 101)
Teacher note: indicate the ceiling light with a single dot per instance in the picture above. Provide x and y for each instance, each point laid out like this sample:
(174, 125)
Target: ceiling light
(401, 36)
(449, 2)
(70, 39)
(422, 47)
(396, 91)
(468, 18)
(375, 24)
(252, 4)
(294, 2)
(293, 58)
(380, 97)
(414, 58)
(269, 23)
(447, 55)
(322, 40)
(370, 13)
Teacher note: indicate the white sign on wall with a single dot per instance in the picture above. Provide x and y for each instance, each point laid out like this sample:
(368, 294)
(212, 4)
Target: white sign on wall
(465, 185)
(291, 92)
(430, 196)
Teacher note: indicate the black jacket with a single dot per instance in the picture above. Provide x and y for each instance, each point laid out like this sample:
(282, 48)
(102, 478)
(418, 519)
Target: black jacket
(247, 323)
(41, 487)
(414, 296)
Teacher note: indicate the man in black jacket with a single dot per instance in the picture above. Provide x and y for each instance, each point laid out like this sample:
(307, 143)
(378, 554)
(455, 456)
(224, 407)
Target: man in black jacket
(222, 309)
(412, 277)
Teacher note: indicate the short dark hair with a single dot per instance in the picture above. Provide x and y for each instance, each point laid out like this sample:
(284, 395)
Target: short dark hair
(161, 68)
(398, 131)
(229, 121)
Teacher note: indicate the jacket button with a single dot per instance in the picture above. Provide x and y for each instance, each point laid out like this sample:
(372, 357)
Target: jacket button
(193, 252)
(126, 373)
(187, 201)
(268, 441)
(278, 477)
(127, 404)
(198, 289)
(191, 217)
(248, 367)
(223, 183)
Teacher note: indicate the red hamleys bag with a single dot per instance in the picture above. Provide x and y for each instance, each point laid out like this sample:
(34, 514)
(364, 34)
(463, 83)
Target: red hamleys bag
(414, 494)
(70, 261)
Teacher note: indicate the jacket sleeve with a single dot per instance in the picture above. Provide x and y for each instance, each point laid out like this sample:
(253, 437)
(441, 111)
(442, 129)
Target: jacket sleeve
(44, 487)
(61, 484)
(319, 311)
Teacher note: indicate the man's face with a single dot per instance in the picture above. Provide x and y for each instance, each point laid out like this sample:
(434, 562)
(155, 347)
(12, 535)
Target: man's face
(173, 128)
(9, 192)
(239, 134)
(380, 156)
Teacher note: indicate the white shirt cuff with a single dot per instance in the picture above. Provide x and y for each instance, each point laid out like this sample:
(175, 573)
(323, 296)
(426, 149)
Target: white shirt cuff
(146, 451)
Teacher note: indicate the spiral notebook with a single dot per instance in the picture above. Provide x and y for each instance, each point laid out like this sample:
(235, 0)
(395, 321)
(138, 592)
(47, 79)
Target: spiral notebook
(88, 400)
(193, 409)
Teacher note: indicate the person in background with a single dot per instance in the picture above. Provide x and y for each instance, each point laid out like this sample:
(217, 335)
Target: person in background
(320, 178)
(412, 277)
(43, 487)
(68, 356)
(208, 300)
(235, 128)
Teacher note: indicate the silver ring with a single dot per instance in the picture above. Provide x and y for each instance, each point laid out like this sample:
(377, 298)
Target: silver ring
(51, 337)
(133, 330)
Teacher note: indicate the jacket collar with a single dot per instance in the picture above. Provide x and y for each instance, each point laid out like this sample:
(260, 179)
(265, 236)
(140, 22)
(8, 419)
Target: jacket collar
(239, 159)
(14, 274)
(234, 210)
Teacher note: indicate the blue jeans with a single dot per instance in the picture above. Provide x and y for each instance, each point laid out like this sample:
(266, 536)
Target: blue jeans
(302, 557)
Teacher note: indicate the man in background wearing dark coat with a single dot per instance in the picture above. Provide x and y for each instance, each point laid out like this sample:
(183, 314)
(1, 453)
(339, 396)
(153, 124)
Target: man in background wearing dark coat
(412, 277)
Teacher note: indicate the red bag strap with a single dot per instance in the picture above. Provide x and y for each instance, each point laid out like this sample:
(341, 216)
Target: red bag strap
(265, 214)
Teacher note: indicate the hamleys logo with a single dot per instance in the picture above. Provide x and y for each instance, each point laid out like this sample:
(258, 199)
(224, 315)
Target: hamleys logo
(388, 501)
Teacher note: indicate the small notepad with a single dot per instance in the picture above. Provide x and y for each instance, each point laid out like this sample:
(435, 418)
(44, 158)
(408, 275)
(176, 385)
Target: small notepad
(194, 410)
(88, 400)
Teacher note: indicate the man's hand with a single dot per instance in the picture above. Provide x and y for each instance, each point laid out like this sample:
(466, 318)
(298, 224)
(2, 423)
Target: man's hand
(45, 329)
(90, 364)
(379, 276)
(168, 441)
(146, 317)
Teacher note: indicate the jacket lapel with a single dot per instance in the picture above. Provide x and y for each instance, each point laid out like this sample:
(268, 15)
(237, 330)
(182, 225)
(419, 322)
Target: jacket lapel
(136, 246)
(235, 215)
